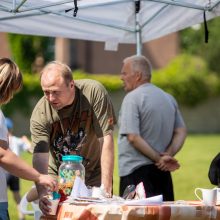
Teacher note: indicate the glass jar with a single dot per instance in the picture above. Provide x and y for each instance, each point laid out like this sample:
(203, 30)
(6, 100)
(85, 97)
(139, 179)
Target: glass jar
(70, 168)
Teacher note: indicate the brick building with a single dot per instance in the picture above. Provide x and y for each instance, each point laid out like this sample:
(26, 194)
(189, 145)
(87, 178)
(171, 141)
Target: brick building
(91, 56)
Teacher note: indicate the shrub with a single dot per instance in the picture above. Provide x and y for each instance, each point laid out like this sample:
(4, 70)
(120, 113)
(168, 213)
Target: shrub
(31, 89)
(111, 82)
(26, 48)
(188, 79)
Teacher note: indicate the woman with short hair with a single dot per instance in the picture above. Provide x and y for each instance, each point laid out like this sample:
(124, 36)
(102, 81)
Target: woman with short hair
(10, 83)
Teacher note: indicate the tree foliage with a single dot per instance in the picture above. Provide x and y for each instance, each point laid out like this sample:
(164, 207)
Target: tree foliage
(26, 48)
(193, 42)
(188, 79)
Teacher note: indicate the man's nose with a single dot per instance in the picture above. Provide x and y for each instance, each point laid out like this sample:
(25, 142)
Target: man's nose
(51, 97)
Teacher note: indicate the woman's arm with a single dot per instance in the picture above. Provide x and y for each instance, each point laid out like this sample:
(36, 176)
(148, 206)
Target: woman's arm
(16, 166)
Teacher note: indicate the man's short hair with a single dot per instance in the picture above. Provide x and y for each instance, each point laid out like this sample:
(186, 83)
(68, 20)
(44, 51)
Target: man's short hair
(65, 70)
(140, 63)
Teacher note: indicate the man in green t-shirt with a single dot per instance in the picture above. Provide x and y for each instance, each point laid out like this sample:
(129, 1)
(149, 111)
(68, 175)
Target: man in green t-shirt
(73, 117)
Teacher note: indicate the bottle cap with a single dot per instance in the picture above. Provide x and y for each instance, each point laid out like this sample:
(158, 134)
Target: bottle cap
(56, 195)
(72, 158)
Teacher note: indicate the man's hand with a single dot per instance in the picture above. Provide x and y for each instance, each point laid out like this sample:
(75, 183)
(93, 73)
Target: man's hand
(44, 204)
(167, 163)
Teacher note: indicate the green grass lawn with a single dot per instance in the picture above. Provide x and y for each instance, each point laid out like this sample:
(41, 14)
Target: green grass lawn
(194, 158)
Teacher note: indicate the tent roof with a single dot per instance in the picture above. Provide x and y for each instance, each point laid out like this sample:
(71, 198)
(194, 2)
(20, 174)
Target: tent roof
(113, 21)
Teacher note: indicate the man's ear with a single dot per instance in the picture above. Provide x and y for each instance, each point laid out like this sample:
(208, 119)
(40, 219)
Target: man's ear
(138, 75)
(72, 84)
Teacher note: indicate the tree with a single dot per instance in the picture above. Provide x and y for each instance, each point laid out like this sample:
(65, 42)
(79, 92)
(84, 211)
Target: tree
(193, 42)
(26, 48)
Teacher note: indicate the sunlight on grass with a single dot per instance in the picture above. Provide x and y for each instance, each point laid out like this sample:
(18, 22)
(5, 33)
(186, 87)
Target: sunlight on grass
(195, 158)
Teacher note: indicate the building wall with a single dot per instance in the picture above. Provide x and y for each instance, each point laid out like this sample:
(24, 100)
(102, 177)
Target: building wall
(4, 48)
(62, 50)
(161, 51)
(93, 58)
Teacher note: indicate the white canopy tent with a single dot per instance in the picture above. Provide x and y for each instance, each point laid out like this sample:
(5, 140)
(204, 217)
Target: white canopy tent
(110, 21)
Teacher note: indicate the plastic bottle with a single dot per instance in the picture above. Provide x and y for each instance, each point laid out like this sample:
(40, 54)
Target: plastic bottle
(70, 168)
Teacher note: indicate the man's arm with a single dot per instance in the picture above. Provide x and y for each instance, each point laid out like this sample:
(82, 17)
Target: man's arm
(179, 136)
(177, 141)
(40, 163)
(166, 163)
(107, 163)
(141, 145)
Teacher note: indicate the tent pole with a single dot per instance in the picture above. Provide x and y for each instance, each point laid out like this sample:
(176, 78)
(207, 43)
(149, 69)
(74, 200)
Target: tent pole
(138, 28)
(215, 5)
(14, 5)
(15, 9)
(179, 3)
(138, 40)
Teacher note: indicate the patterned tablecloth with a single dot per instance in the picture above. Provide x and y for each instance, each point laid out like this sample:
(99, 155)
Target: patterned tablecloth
(166, 211)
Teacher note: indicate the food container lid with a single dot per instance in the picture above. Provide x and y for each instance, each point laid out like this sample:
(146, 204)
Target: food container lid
(75, 158)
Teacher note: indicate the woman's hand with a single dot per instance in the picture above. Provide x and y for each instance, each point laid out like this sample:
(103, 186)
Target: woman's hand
(48, 181)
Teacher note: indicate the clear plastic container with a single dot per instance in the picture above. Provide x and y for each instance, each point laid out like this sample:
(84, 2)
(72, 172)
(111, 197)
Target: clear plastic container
(70, 168)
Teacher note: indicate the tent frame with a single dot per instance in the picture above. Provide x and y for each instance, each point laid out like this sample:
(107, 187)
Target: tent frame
(17, 11)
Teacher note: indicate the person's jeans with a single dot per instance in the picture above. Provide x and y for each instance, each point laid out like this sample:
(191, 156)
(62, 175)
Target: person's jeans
(4, 211)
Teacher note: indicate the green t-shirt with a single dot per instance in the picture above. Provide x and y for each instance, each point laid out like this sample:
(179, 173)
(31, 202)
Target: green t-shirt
(91, 116)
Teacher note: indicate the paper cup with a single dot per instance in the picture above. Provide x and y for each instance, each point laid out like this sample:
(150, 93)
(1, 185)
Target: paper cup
(218, 196)
(53, 206)
(97, 192)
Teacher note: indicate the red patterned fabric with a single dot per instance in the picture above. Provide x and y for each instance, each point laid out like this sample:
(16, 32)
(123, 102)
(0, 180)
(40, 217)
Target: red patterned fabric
(166, 211)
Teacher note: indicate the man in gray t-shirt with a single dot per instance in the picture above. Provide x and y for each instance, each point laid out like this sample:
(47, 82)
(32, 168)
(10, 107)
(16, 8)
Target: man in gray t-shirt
(151, 131)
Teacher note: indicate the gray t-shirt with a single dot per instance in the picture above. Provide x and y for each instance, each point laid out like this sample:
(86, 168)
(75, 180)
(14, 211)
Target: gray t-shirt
(151, 113)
